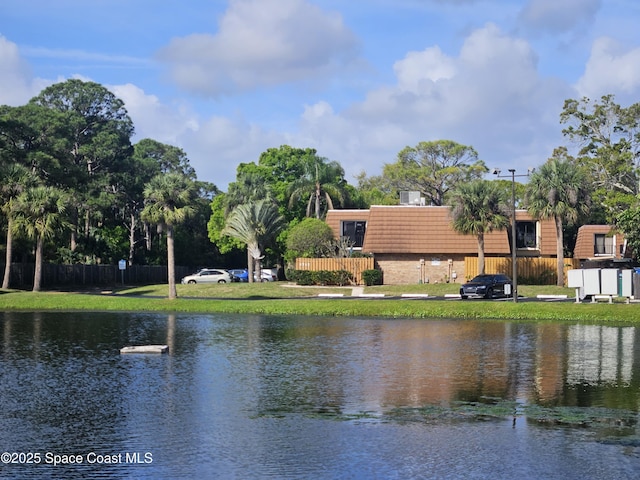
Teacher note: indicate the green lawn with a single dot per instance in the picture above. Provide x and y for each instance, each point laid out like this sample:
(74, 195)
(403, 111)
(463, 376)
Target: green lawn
(282, 298)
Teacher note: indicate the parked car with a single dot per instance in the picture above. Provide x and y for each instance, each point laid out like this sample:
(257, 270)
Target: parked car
(266, 275)
(487, 286)
(208, 275)
(239, 275)
(242, 275)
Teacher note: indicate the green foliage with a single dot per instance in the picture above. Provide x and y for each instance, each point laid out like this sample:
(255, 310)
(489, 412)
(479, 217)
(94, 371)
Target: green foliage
(433, 169)
(215, 225)
(559, 191)
(309, 238)
(372, 277)
(321, 184)
(320, 277)
(628, 222)
(478, 208)
(375, 191)
(609, 136)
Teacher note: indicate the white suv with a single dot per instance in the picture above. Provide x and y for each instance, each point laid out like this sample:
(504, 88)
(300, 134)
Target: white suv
(208, 275)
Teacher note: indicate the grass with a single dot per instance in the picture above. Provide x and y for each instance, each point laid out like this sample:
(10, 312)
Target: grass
(281, 298)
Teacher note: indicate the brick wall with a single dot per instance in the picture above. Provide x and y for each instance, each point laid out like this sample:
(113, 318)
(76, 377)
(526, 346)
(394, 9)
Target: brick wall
(401, 269)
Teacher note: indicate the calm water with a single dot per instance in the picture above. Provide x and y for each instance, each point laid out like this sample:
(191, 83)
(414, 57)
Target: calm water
(295, 397)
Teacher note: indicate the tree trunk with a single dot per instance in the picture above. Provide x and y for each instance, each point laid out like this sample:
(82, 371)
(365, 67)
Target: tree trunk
(73, 242)
(171, 264)
(147, 236)
(481, 254)
(9, 254)
(37, 277)
(560, 251)
(249, 266)
(132, 237)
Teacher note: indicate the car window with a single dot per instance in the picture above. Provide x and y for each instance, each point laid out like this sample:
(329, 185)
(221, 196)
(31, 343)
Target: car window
(482, 279)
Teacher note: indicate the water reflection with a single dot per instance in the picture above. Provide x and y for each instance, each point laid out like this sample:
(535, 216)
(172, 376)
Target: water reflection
(246, 395)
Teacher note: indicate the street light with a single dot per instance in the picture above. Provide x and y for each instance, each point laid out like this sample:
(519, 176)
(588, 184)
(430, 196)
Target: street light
(514, 257)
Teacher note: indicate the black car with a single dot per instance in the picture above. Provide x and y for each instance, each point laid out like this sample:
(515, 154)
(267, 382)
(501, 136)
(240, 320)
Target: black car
(487, 286)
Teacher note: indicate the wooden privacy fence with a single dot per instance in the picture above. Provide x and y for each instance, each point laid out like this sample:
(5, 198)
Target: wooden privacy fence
(531, 270)
(353, 265)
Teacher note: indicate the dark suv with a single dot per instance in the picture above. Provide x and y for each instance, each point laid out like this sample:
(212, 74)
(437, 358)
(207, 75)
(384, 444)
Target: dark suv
(487, 286)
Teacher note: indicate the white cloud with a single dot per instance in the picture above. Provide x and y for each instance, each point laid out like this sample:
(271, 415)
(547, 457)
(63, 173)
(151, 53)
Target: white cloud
(558, 16)
(612, 67)
(419, 70)
(220, 144)
(215, 146)
(17, 84)
(261, 42)
(152, 119)
(490, 96)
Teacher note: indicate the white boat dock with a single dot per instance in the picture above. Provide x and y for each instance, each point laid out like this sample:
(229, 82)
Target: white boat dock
(145, 349)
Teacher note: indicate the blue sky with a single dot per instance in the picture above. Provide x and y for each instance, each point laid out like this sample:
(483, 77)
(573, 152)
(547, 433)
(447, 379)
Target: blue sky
(356, 79)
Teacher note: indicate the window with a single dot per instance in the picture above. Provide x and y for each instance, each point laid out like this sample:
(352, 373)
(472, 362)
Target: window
(603, 245)
(526, 235)
(354, 231)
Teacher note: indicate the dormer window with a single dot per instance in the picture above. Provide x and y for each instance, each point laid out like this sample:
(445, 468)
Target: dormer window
(354, 230)
(604, 245)
(527, 235)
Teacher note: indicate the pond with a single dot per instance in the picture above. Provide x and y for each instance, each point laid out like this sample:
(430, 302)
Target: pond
(271, 397)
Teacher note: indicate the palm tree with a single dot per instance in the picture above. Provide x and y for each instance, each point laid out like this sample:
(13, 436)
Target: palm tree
(168, 202)
(41, 213)
(15, 179)
(321, 181)
(478, 208)
(256, 224)
(558, 191)
(249, 186)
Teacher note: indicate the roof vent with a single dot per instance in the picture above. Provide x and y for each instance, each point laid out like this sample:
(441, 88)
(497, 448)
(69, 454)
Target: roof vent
(409, 198)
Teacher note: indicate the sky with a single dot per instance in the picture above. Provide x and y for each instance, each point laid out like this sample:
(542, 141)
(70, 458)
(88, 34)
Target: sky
(358, 80)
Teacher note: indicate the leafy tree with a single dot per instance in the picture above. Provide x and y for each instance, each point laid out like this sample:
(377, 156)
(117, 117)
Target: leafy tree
(320, 181)
(478, 208)
(434, 169)
(98, 141)
(168, 202)
(628, 222)
(15, 180)
(151, 158)
(163, 158)
(216, 225)
(609, 140)
(310, 238)
(558, 191)
(35, 137)
(40, 213)
(375, 191)
(255, 224)
(250, 186)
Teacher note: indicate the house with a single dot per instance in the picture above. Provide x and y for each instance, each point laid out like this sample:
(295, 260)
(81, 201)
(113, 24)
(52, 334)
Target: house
(599, 243)
(417, 244)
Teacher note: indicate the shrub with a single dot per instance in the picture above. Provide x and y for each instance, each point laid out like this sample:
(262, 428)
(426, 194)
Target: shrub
(342, 277)
(323, 277)
(320, 277)
(372, 277)
(301, 277)
(308, 239)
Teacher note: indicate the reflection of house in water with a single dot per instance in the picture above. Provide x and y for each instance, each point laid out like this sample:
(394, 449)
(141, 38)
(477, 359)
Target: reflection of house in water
(599, 354)
(413, 365)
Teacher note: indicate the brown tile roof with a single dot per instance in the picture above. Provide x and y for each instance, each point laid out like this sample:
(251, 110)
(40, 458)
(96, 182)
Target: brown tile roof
(416, 229)
(585, 240)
